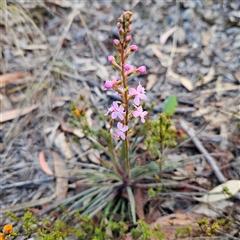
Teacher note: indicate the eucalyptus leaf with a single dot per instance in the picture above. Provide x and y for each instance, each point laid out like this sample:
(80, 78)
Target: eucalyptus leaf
(221, 192)
(170, 105)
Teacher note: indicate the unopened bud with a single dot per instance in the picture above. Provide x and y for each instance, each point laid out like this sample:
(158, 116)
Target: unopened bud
(130, 28)
(130, 20)
(141, 69)
(116, 42)
(118, 24)
(133, 48)
(111, 58)
(120, 20)
(128, 38)
(121, 31)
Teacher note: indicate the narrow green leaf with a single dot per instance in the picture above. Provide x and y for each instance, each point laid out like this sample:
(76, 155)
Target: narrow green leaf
(118, 205)
(132, 204)
(170, 105)
(123, 152)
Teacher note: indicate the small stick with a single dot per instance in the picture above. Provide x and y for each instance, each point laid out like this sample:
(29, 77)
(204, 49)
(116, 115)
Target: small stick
(203, 150)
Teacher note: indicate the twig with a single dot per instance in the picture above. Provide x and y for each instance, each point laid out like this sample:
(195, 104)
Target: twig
(24, 183)
(203, 150)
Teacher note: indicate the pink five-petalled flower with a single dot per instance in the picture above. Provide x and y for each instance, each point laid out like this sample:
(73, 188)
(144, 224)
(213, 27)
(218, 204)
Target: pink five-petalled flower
(138, 94)
(109, 84)
(117, 111)
(122, 129)
(111, 58)
(140, 113)
(141, 69)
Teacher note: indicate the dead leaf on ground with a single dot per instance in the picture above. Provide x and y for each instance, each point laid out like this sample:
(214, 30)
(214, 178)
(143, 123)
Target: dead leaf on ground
(184, 81)
(152, 79)
(5, 103)
(208, 78)
(164, 37)
(206, 36)
(14, 78)
(61, 143)
(61, 176)
(102, 71)
(44, 164)
(66, 128)
(237, 76)
(9, 115)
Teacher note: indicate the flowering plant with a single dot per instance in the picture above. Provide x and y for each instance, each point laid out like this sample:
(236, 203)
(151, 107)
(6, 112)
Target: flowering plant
(110, 183)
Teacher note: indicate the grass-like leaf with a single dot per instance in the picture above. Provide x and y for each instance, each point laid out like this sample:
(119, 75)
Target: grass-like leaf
(132, 204)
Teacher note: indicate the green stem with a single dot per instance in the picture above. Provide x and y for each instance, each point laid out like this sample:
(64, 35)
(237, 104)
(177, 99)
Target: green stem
(125, 101)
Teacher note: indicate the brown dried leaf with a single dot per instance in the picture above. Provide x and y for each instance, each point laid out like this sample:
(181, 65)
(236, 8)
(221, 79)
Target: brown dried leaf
(14, 78)
(237, 76)
(167, 34)
(44, 164)
(68, 129)
(62, 176)
(152, 79)
(9, 115)
(61, 143)
(184, 81)
(208, 78)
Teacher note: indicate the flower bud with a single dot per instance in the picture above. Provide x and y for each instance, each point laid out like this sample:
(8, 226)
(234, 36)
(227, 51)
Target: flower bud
(120, 20)
(111, 58)
(130, 28)
(128, 38)
(130, 20)
(127, 67)
(116, 42)
(121, 31)
(133, 48)
(118, 24)
(141, 69)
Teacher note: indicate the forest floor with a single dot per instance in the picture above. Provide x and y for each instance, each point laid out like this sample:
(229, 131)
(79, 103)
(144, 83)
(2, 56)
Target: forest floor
(55, 52)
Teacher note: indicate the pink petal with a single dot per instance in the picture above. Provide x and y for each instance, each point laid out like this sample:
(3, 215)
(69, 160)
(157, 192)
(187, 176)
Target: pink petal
(132, 92)
(120, 116)
(142, 120)
(136, 100)
(125, 129)
(136, 114)
(119, 125)
(143, 96)
(115, 105)
(114, 115)
(122, 135)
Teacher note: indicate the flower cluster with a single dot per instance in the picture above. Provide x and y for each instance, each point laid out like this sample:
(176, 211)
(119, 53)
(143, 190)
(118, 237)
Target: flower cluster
(121, 110)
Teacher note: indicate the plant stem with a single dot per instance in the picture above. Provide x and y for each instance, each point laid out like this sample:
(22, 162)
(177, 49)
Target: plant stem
(125, 100)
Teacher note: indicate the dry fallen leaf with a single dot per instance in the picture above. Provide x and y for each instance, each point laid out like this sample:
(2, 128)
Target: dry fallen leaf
(66, 128)
(167, 34)
(14, 78)
(61, 176)
(237, 76)
(152, 79)
(61, 143)
(9, 115)
(44, 164)
(184, 81)
(208, 78)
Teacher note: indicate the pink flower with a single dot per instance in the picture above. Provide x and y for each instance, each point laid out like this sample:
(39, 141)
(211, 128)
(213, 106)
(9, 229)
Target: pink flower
(141, 69)
(109, 84)
(122, 129)
(128, 67)
(140, 113)
(138, 94)
(111, 58)
(117, 111)
(128, 38)
(133, 48)
(116, 41)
